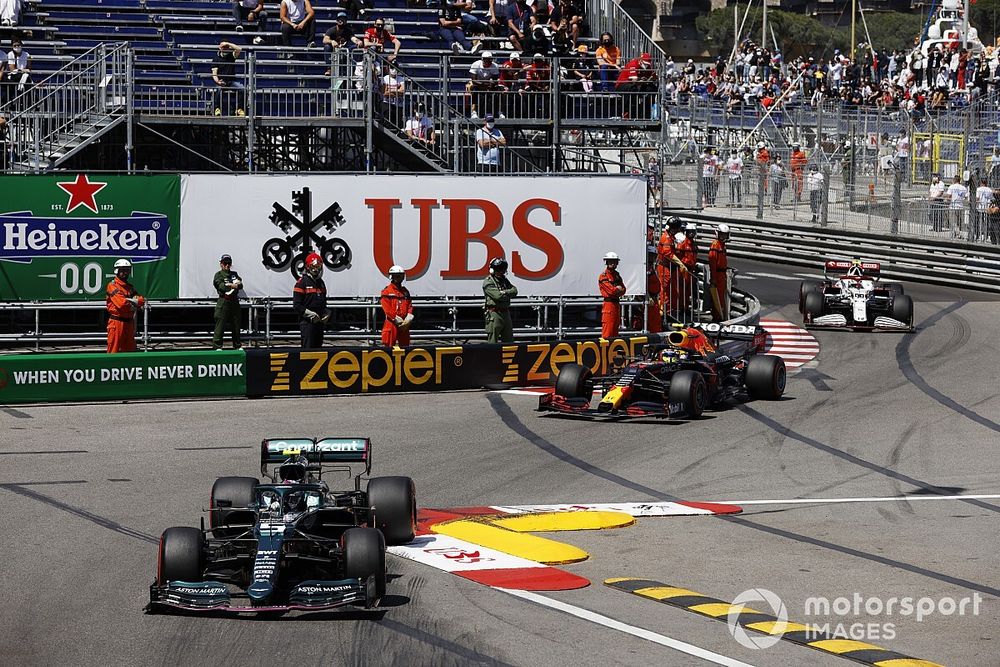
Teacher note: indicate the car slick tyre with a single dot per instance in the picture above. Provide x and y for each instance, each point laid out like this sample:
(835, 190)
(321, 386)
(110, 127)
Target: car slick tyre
(689, 390)
(364, 556)
(895, 289)
(227, 492)
(765, 377)
(182, 555)
(812, 306)
(805, 288)
(574, 381)
(902, 309)
(395, 503)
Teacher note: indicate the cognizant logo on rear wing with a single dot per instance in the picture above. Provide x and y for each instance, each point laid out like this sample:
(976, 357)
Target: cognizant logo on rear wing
(323, 450)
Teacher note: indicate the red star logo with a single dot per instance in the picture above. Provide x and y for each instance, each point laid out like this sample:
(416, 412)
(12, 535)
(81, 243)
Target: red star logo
(81, 193)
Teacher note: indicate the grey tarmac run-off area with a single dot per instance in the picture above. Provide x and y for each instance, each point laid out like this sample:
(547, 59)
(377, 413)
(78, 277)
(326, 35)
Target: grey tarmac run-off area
(85, 491)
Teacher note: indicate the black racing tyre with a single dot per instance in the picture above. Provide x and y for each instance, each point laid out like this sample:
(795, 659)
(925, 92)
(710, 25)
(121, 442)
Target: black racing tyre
(395, 503)
(813, 304)
(765, 377)
(689, 389)
(237, 492)
(895, 289)
(574, 381)
(804, 288)
(182, 555)
(364, 555)
(902, 309)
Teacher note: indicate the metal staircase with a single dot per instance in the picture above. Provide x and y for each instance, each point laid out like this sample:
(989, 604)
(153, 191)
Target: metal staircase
(69, 110)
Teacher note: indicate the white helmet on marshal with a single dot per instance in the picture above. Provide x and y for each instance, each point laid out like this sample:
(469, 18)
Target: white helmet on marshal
(123, 264)
(611, 256)
(396, 268)
(680, 237)
(722, 230)
(760, 144)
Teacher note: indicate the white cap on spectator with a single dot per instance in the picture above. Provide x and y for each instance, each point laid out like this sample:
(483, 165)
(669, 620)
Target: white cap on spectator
(487, 54)
(515, 55)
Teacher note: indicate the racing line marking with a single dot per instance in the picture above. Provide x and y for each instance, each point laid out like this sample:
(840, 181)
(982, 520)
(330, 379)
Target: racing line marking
(765, 623)
(790, 342)
(642, 633)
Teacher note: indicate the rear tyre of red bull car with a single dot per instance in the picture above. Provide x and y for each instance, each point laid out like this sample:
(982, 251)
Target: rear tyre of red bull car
(575, 381)
(765, 377)
(689, 391)
(364, 556)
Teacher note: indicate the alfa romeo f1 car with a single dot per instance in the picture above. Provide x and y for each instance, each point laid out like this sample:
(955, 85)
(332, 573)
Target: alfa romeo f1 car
(855, 298)
(289, 542)
(698, 367)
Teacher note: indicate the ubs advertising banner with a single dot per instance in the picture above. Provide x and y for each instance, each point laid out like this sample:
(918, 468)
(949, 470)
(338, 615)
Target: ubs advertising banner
(36, 378)
(443, 230)
(60, 235)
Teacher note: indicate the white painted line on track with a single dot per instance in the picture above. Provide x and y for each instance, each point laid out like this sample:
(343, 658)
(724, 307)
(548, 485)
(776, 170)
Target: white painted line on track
(759, 274)
(642, 633)
(873, 499)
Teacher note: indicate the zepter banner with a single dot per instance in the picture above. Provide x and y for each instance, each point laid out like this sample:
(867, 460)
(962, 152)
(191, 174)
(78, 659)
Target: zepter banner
(443, 230)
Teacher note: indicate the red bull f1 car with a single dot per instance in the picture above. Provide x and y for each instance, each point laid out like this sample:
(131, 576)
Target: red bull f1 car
(288, 543)
(853, 296)
(695, 368)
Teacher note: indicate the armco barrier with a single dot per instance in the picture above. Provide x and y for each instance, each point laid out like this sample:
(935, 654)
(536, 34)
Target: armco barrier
(936, 262)
(33, 378)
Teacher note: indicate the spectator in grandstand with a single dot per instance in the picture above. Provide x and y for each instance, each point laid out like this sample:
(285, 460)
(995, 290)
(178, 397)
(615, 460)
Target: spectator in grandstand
(638, 81)
(489, 140)
(393, 94)
(580, 73)
(471, 23)
(297, 18)
(609, 58)
(484, 82)
(512, 72)
(538, 75)
(231, 91)
(18, 69)
(497, 17)
(958, 202)
(3, 141)
(340, 36)
(569, 16)
(450, 27)
(519, 18)
(379, 38)
(984, 201)
(903, 155)
(248, 12)
(709, 176)
(420, 128)
(539, 40)
(734, 169)
(936, 203)
(227, 307)
(814, 186)
(778, 178)
(355, 8)
(993, 220)
(10, 12)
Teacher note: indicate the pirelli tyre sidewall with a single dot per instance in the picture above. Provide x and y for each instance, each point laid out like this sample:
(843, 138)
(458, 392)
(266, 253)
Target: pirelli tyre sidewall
(574, 381)
(395, 503)
(364, 556)
(688, 389)
(181, 556)
(766, 377)
(902, 309)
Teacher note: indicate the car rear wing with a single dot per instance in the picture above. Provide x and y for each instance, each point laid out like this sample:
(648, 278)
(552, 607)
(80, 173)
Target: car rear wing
(750, 333)
(323, 450)
(841, 266)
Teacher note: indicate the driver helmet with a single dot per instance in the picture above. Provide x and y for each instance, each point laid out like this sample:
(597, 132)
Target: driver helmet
(855, 271)
(314, 264)
(292, 471)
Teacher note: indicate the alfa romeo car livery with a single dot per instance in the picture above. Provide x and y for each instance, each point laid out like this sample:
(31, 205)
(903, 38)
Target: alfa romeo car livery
(853, 295)
(289, 542)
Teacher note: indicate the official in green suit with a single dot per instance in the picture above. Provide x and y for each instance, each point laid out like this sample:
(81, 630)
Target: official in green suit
(227, 308)
(498, 292)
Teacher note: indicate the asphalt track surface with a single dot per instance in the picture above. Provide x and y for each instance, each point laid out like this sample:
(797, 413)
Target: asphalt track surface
(85, 491)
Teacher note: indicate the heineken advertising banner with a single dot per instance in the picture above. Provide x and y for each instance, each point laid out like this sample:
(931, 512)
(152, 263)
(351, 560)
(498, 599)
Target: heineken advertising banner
(286, 372)
(61, 234)
(42, 378)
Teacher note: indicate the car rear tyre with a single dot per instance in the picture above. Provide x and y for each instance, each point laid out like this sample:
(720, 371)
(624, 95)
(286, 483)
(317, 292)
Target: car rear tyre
(233, 492)
(182, 555)
(364, 556)
(902, 309)
(895, 289)
(688, 388)
(574, 381)
(805, 288)
(395, 503)
(765, 377)
(812, 306)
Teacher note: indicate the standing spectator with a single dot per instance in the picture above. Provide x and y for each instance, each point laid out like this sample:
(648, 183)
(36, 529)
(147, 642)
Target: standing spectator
(248, 12)
(984, 201)
(450, 27)
(936, 203)
(814, 186)
(609, 58)
(393, 93)
(903, 155)
(10, 12)
(993, 220)
(519, 19)
(484, 80)
(297, 17)
(709, 176)
(122, 302)
(379, 38)
(777, 176)
(397, 305)
(498, 292)
(734, 167)
(489, 139)
(230, 91)
(718, 264)
(18, 68)
(420, 128)
(958, 197)
(309, 302)
(227, 307)
(653, 183)
(993, 167)
(798, 165)
(612, 289)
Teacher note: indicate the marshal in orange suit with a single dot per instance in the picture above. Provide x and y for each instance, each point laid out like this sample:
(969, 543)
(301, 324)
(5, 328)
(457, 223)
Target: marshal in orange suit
(122, 303)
